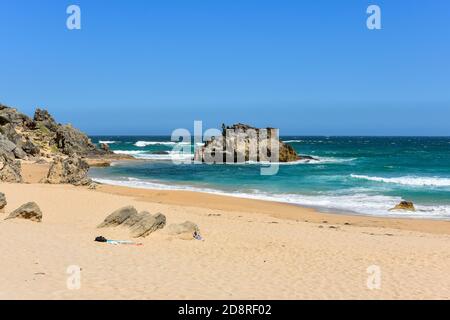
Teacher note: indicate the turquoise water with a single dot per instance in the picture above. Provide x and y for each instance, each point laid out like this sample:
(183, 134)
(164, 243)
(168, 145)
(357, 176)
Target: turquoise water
(363, 175)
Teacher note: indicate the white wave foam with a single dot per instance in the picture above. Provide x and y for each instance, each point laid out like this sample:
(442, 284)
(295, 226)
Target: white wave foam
(172, 155)
(161, 143)
(292, 141)
(144, 155)
(107, 142)
(362, 203)
(409, 180)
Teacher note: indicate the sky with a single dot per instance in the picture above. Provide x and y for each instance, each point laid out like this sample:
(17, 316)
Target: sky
(308, 67)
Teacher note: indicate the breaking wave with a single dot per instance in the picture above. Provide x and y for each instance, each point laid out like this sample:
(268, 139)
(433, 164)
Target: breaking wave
(409, 180)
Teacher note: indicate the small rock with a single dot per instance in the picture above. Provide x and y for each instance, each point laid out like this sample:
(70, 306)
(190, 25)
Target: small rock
(105, 147)
(404, 205)
(30, 211)
(3, 201)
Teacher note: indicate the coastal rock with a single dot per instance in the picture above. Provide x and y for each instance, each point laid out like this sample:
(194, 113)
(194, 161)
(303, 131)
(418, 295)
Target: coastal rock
(23, 137)
(72, 141)
(12, 116)
(43, 117)
(105, 147)
(147, 224)
(30, 211)
(241, 142)
(10, 169)
(20, 154)
(405, 206)
(71, 170)
(3, 201)
(186, 228)
(118, 217)
(6, 146)
(140, 224)
(30, 148)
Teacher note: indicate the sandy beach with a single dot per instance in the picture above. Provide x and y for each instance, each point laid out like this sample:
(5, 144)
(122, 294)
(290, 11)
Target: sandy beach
(251, 249)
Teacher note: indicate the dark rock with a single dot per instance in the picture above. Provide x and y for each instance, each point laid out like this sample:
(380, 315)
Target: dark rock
(19, 153)
(30, 211)
(30, 148)
(404, 205)
(43, 117)
(105, 147)
(3, 201)
(12, 116)
(72, 141)
(72, 170)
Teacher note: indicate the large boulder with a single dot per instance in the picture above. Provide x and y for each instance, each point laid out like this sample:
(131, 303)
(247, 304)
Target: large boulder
(187, 228)
(3, 201)
(10, 169)
(72, 170)
(6, 146)
(147, 223)
(118, 217)
(140, 224)
(29, 211)
(30, 148)
(72, 141)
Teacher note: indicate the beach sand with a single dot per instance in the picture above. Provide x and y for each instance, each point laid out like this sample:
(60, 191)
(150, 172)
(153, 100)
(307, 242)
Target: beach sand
(252, 249)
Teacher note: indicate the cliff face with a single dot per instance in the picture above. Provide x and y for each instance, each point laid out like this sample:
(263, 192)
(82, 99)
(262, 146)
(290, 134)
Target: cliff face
(25, 138)
(241, 142)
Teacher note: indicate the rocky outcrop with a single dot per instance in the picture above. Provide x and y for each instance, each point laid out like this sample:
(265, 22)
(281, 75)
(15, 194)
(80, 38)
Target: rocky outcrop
(44, 118)
(3, 201)
(72, 141)
(405, 206)
(140, 224)
(72, 170)
(241, 143)
(29, 211)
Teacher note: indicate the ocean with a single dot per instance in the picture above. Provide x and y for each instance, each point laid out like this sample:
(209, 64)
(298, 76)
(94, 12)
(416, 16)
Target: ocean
(359, 175)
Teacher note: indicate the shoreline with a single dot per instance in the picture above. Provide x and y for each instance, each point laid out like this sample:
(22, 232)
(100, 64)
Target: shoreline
(33, 173)
(277, 210)
(252, 249)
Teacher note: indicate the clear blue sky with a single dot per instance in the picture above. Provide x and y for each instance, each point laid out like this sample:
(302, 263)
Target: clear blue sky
(307, 67)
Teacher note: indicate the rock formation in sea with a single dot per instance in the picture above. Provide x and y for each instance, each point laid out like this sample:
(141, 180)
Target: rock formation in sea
(241, 142)
(405, 206)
